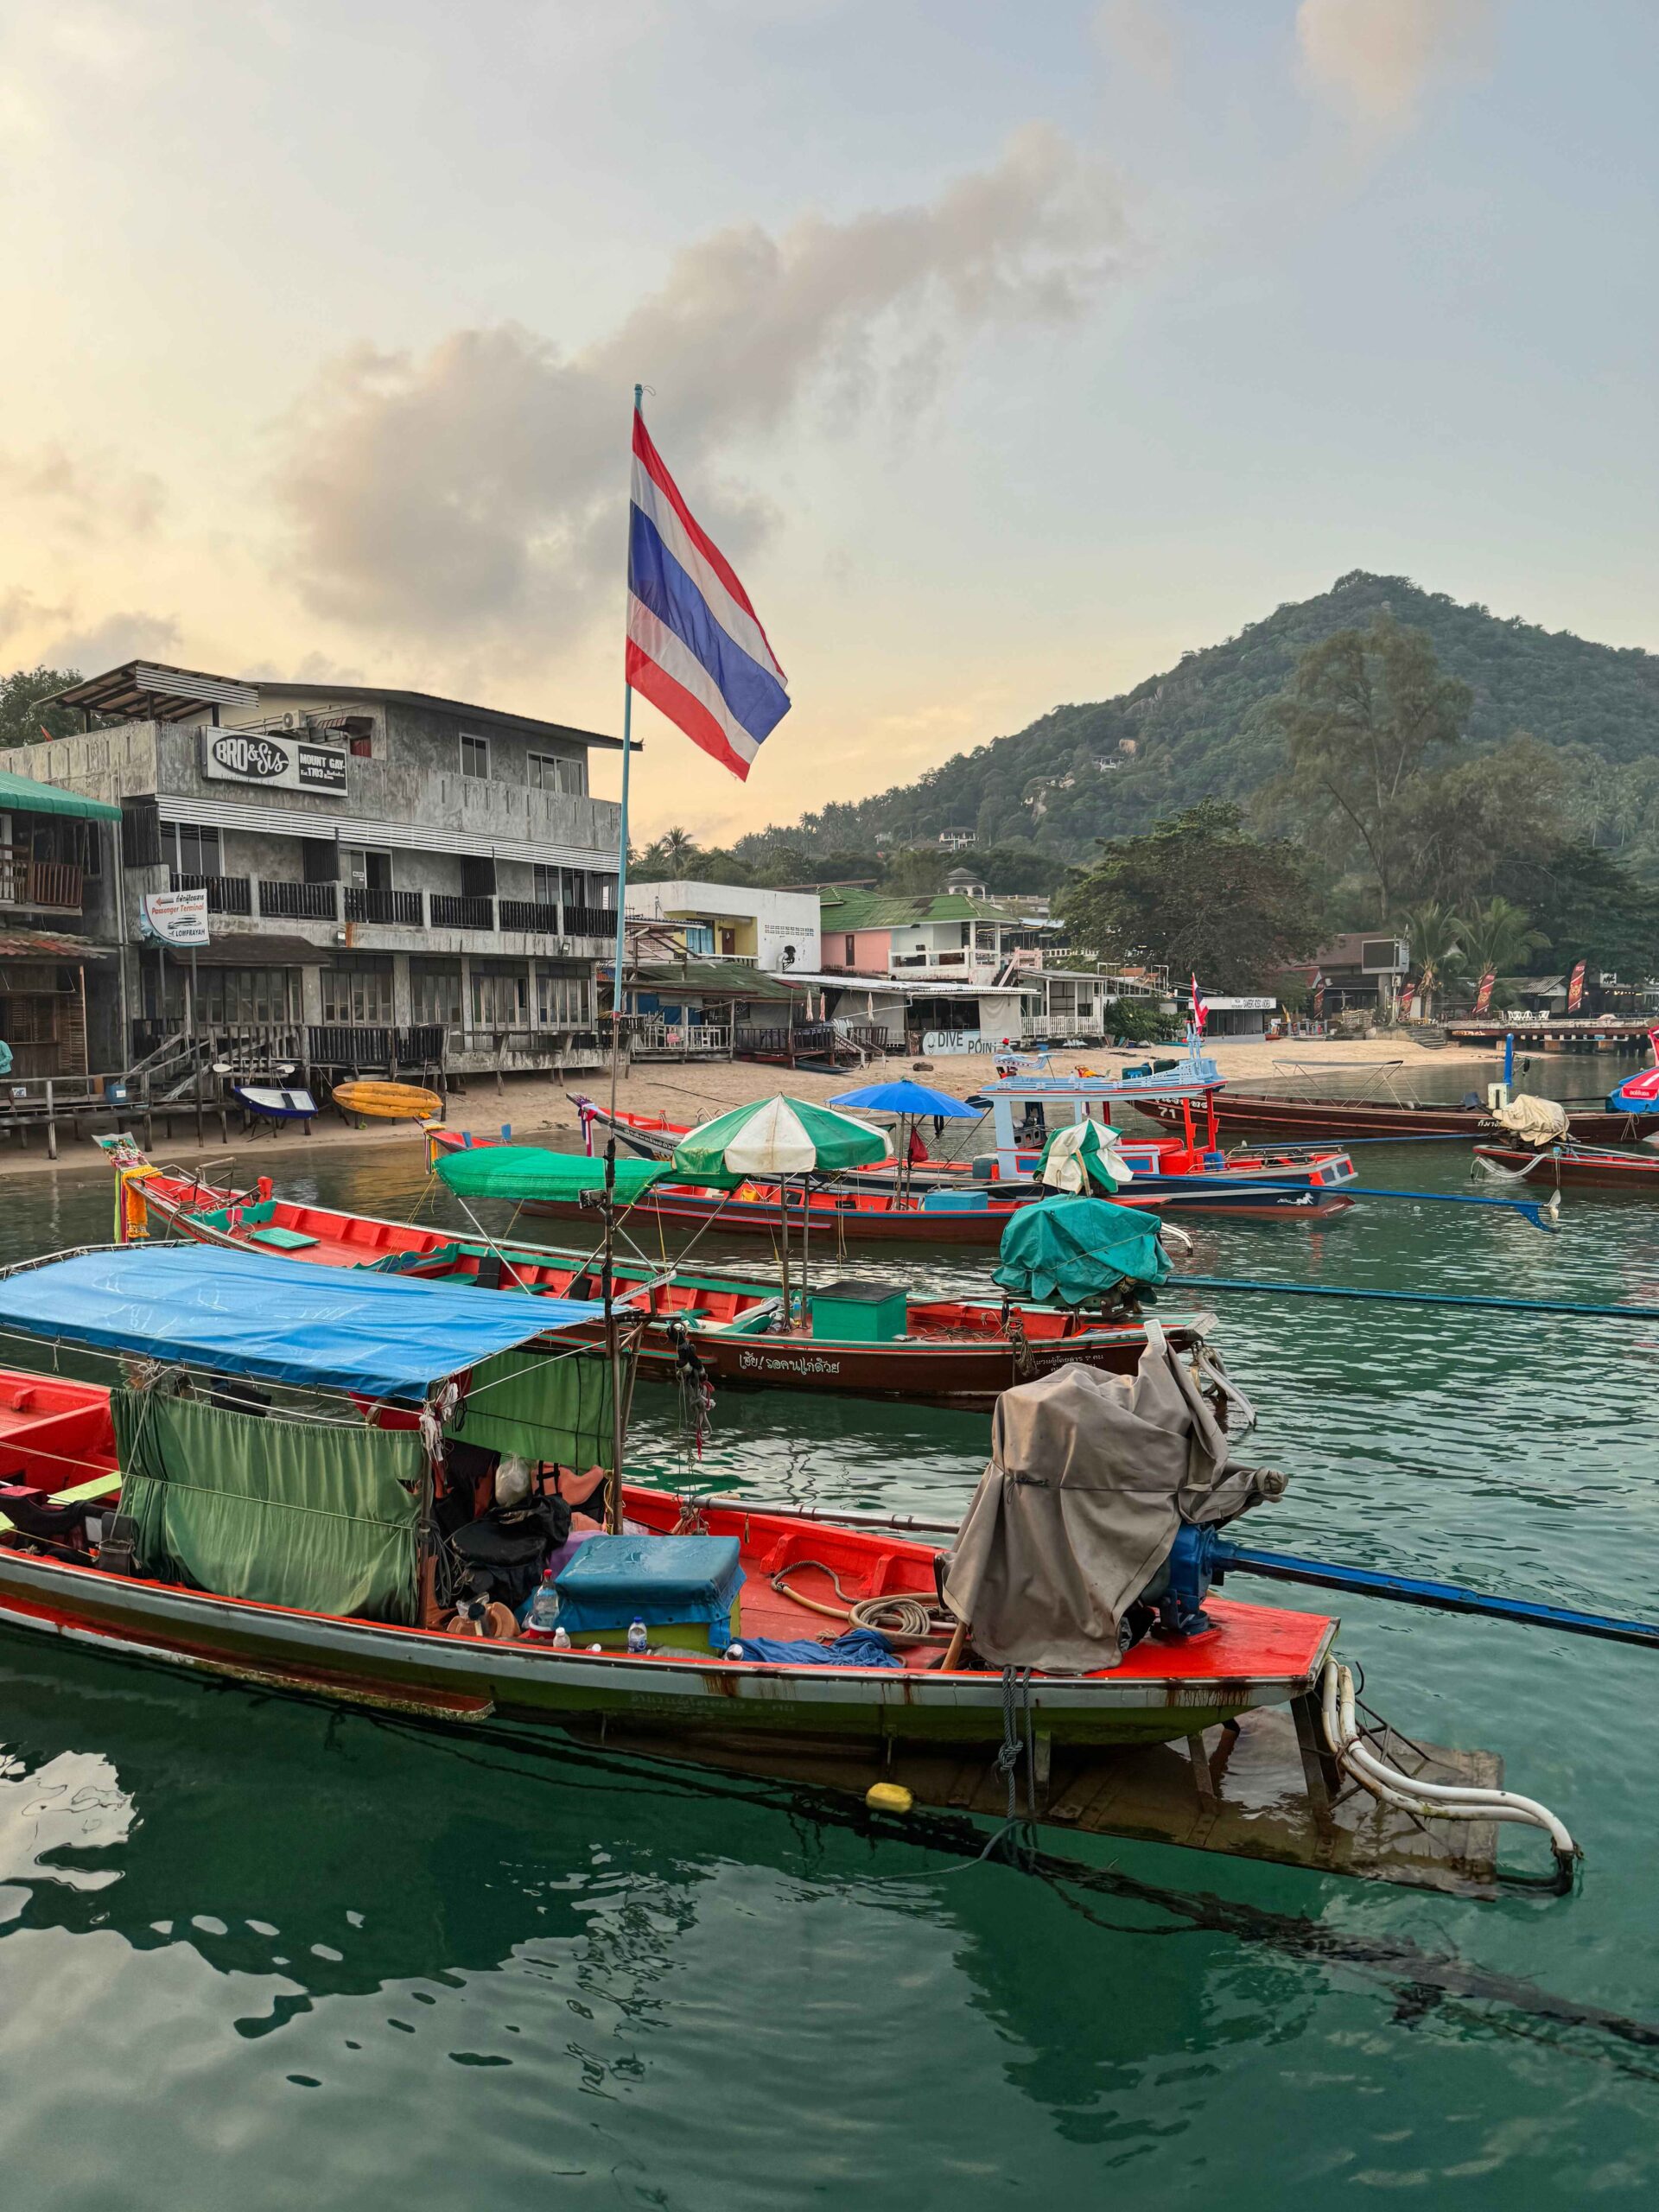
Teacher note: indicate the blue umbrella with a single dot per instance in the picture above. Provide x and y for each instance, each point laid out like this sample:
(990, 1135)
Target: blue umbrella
(907, 1098)
(912, 1102)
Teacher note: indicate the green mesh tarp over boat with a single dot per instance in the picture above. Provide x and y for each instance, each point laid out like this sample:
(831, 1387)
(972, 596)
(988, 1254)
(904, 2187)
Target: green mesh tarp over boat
(1076, 1251)
(544, 1405)
(321, 1517)
(525, 1172)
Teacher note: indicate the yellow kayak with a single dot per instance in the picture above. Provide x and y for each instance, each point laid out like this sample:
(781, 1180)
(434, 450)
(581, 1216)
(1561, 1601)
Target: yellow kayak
(388, 1102)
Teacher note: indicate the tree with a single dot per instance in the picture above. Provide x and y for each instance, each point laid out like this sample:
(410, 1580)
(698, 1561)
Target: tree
(1436, 935)
(1499, 938)
(1589, 906)
(23, 721)
(1198, 895)
(1465, 828)
(1365, 710)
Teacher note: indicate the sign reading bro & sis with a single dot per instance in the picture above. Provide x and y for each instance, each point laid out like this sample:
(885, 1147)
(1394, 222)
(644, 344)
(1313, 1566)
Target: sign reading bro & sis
(288, 764)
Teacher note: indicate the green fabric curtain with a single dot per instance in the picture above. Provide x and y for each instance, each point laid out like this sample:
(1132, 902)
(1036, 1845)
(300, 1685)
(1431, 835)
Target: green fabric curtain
(286, 1513)
(544, 1405)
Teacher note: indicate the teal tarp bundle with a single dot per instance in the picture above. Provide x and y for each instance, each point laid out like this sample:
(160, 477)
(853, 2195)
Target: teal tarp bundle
(285, 1513)
(1077, 1251)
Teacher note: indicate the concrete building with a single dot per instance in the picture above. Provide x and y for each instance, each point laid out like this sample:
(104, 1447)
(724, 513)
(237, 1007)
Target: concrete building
(391, 878)
(774, 931)
(1360, 968)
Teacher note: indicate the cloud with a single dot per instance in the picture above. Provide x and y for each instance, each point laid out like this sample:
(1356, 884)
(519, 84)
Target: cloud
(1140, 35)
(444, 495)
(1376, 58)
(109, 641)
(93, 496)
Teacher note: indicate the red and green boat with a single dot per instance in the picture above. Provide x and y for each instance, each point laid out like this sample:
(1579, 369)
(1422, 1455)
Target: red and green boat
(857, 1339)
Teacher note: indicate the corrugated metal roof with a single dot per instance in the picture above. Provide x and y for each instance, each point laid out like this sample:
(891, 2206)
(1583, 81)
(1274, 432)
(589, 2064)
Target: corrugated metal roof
(33, 797)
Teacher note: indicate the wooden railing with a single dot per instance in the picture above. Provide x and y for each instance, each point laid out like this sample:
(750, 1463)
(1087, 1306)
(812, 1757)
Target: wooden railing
(363, 905)
(531, 914)
(449, 913)
(25, 881)
(300, 902)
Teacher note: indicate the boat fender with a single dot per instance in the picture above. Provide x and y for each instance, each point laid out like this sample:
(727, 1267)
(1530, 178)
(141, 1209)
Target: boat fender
(889, 1797)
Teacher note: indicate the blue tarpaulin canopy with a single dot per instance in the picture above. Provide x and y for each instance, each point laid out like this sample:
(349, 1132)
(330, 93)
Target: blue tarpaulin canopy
(907, 1097)
(248, 1313)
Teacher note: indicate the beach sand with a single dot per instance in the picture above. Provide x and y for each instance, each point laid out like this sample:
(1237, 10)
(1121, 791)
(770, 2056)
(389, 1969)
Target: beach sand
(537, 1107)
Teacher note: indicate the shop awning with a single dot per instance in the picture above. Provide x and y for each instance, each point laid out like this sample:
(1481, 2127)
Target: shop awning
(30, 798)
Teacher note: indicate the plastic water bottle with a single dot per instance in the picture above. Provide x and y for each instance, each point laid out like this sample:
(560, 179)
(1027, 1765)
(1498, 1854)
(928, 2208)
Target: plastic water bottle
(544, 1615)
(561, 1637)
(636, 1636)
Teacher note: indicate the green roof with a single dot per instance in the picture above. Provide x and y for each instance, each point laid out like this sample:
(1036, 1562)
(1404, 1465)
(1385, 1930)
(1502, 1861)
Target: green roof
(876, 909)
(22, 792)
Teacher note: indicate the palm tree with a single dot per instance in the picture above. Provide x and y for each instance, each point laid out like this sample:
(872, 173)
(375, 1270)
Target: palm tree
(675, 846)
(1500, 939)
(1437, 937)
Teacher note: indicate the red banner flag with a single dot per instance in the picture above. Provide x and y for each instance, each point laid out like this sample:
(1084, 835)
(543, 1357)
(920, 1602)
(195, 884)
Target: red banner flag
(1575, 989)
(1406, 997)
(1484, 995)
(1319, 999)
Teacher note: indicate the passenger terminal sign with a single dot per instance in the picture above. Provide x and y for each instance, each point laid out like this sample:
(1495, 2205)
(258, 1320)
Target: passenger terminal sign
(174, 917)
(281, 763)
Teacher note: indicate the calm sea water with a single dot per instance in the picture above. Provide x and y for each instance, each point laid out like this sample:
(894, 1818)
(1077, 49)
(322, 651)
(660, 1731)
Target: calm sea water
(257, 1954)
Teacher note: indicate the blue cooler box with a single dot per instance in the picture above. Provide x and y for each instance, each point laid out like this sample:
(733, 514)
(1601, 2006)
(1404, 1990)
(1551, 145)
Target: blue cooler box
(684, 1588)
(955, 1202)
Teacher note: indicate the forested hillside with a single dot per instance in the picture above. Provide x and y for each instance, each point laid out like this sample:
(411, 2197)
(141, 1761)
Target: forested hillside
(1205, 729)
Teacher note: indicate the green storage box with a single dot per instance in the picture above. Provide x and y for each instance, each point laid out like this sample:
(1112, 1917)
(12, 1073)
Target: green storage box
(860, 1313)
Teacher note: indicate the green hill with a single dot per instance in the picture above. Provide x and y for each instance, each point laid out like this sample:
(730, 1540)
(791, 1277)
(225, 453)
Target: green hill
(1201, 730)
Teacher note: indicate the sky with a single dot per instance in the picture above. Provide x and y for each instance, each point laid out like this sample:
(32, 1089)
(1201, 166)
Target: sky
(1008, 351)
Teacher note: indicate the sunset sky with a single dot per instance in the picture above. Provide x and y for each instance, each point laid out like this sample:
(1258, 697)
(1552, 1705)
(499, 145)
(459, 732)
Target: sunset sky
(1007, 350)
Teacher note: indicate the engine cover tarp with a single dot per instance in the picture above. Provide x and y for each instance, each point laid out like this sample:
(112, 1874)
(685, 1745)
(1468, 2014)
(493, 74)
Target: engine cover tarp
(1090, 1478)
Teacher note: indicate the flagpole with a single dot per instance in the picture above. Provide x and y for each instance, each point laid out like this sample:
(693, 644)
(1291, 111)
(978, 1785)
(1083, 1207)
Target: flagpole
(622, 836)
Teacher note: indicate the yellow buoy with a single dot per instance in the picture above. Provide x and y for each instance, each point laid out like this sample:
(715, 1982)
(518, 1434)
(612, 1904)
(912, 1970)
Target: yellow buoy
(889, 1797)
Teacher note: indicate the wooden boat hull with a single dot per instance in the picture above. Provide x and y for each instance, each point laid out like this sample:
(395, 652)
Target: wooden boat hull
(878, 1219)
(967, 1366)
(1228, 1192)
(1257, 1655)
(1637, 1171)
(386, 1101)
(1337, 1119)
(970, 1376)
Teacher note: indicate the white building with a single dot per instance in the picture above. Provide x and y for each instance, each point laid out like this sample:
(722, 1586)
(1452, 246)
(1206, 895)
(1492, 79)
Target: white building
(776, 930)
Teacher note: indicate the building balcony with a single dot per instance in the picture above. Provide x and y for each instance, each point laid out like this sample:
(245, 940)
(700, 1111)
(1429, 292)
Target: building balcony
(450, 913)
(45, 886)
(398, 907)
(590, 921)
(535, 916)
(226, 894)
(299, 902)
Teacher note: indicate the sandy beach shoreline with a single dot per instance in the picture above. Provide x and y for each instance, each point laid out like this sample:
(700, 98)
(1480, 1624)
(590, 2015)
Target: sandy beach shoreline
(537, 1108)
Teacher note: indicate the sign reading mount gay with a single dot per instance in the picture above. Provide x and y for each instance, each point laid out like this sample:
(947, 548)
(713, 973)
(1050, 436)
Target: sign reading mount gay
(174, 917)
(279, 762)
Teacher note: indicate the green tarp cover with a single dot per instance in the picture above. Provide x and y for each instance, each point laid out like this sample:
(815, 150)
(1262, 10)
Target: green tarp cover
(546, 1406)
(527, 1172)
(1076, 1251)
(286, 1513)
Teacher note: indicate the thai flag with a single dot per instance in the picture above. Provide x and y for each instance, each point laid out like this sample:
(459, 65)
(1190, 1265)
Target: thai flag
(1200, 1008)
(696, 647)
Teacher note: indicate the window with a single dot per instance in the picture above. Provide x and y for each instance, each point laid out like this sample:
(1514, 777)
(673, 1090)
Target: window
(189, 850)
(358, 989)
(546, 887)
(476, 756)
(435, 993)
(561, 1001)
(852, 948)
(500, 999)
(551, 771)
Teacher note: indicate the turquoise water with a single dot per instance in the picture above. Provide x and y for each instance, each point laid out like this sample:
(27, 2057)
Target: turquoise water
(256, 1953)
